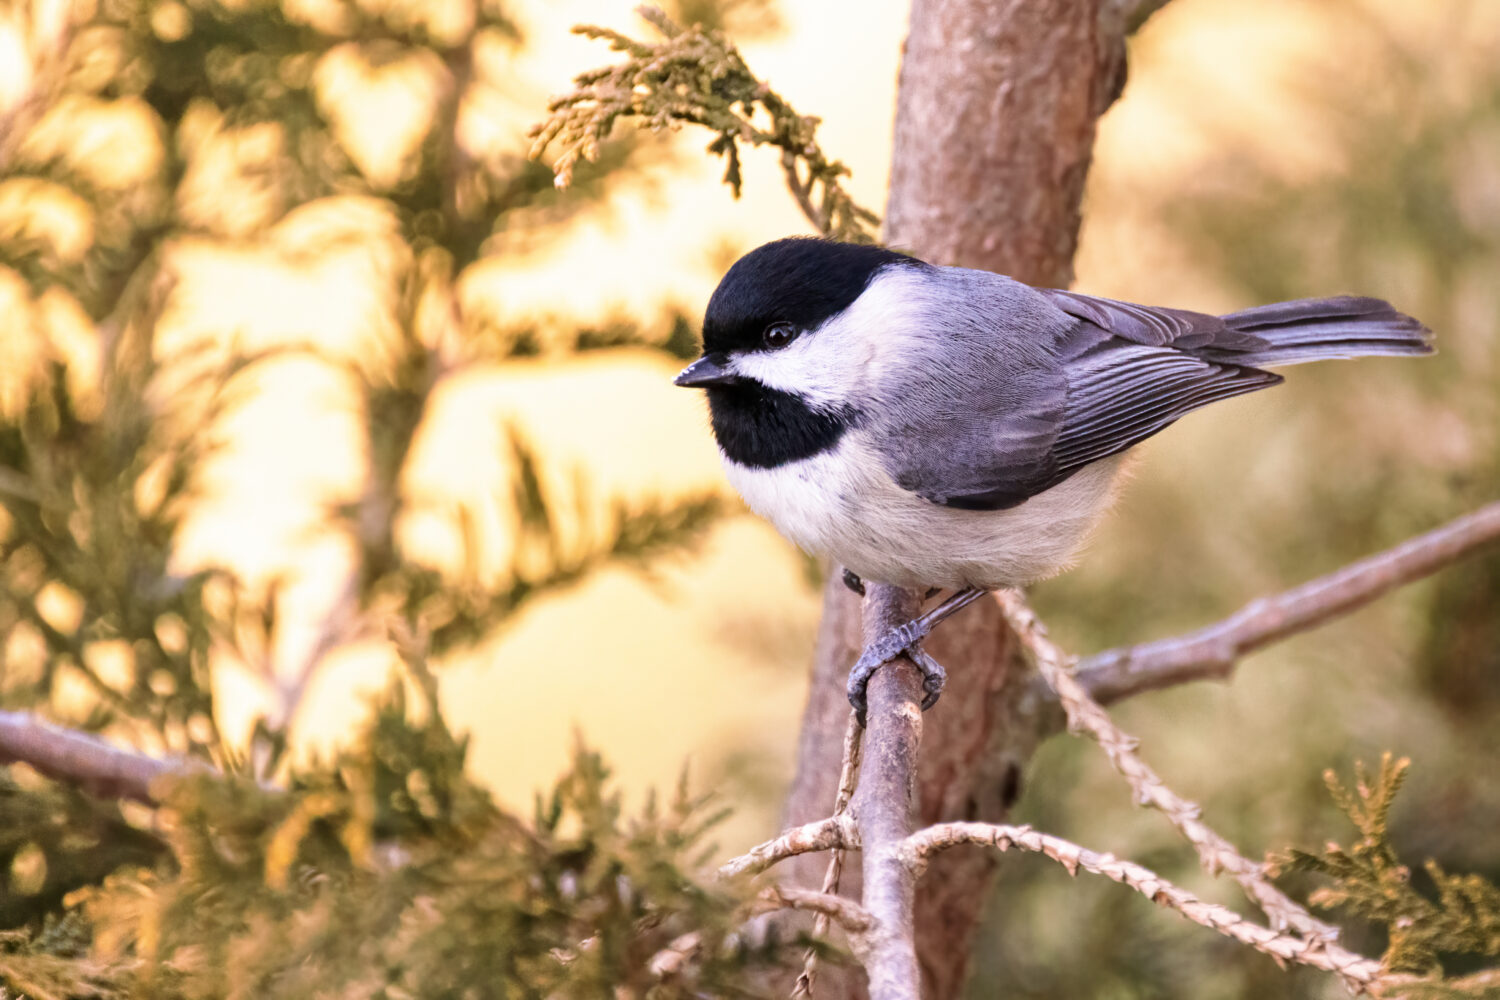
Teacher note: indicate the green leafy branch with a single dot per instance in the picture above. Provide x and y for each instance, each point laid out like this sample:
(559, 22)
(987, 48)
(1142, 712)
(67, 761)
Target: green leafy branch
(1370, 882)
(695, 75)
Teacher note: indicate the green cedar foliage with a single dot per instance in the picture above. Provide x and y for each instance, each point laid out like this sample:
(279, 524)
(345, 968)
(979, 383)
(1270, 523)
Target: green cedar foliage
(695, 76)
(1459, 915)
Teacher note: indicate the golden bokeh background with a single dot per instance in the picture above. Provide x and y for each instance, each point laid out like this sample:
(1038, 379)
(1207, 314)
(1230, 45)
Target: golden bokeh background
(704, 660)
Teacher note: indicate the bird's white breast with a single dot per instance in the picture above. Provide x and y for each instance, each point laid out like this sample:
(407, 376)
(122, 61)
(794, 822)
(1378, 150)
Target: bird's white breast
(842, 503)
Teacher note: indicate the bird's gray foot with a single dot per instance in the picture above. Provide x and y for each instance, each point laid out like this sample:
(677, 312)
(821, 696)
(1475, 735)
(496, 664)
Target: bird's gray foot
(901, 639)
(905, 639)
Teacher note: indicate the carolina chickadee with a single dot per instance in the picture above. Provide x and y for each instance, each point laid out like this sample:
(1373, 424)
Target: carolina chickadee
(938, 426)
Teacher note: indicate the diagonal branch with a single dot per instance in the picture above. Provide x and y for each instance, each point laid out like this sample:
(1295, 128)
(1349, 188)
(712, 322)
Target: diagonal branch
(1085, 715)
(1358, 972)
(83, 760)
(1211, 652)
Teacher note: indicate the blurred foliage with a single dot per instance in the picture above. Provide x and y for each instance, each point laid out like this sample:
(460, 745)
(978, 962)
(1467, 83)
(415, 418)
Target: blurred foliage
(152, 124)
(154, 129)
(1371, 883)
(95, 487)
(385, 872)
(695, 76)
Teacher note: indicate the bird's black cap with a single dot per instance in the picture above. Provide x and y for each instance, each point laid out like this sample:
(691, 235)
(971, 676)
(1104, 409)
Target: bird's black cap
(802, 281)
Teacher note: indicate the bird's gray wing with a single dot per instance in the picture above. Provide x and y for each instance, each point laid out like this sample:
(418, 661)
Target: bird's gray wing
(1098, 378)
(1153, 326)
(1121, 394)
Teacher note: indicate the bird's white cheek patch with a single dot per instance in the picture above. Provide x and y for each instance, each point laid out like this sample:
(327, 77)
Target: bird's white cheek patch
(824, 367)
(802, 368)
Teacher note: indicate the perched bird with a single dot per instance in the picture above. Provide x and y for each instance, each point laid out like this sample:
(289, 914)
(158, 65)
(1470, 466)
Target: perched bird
(943, 427)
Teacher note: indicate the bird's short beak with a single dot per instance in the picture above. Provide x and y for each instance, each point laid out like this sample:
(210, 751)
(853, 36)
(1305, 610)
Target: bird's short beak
(707, 370)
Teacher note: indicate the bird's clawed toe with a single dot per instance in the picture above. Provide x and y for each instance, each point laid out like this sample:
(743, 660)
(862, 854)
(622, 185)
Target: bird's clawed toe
(899, 640)
(933, 675)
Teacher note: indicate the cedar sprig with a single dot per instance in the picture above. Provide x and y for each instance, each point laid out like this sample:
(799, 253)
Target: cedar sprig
(695, 75)
(1461, 916)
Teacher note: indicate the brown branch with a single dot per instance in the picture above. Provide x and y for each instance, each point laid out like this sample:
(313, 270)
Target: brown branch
(85, 761)
(826, 834)
(1211, 652)
(883, 803)
(1086, 715)
(1359, 973)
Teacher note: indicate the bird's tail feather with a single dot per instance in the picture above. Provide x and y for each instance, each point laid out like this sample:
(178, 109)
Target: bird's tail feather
(1318, 329)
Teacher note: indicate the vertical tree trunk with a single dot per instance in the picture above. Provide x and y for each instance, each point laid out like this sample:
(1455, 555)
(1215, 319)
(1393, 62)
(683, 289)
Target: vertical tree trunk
(994, 130)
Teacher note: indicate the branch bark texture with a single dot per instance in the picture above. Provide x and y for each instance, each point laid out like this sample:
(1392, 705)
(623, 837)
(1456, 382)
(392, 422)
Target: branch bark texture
(883, 803)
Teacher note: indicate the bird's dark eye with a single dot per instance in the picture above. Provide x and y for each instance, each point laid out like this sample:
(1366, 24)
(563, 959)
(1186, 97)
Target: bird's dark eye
(778, 335)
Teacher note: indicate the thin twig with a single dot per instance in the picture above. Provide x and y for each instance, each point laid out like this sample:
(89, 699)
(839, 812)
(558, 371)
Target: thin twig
(1211, 652)
(883, 803)
(848, 778)
(1086, 715)
(801, 192)
(825, 834)
(86, 761)
(1358, 972)
(853, 918)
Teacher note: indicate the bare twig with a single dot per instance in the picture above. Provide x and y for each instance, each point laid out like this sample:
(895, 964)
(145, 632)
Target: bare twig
(1211, 652)
(853, 918)
(1085, 715)
(883, 803)
(848, 777)
(1358, 972)
(826, 834)
(85, 761)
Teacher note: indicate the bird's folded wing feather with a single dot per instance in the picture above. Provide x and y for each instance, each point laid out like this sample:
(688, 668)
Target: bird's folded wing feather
(1121, 395)
(1114, 375)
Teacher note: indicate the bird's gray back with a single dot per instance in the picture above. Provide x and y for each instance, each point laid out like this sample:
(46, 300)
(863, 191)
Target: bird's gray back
(979, 396)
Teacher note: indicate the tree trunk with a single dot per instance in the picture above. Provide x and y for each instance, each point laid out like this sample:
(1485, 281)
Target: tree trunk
(994, 129)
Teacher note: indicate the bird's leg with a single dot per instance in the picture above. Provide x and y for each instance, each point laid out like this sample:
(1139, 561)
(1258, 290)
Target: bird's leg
(853, 582)
(905, 639)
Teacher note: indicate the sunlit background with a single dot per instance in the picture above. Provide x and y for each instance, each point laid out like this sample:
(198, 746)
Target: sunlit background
(1263, 149)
